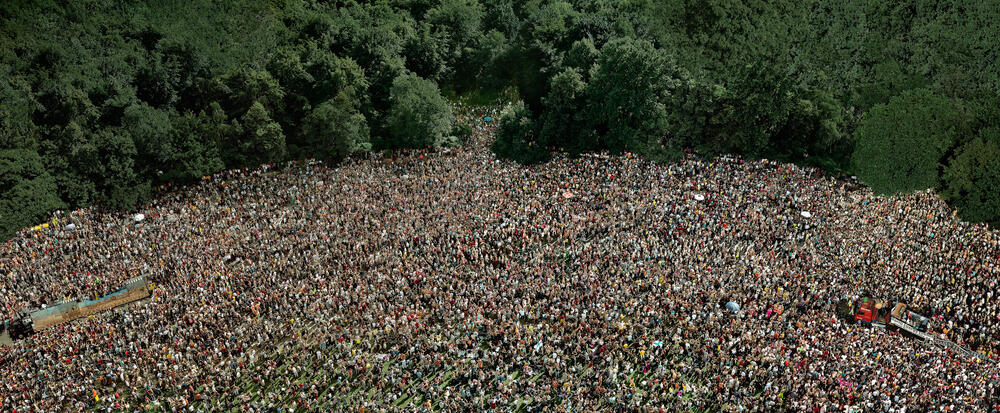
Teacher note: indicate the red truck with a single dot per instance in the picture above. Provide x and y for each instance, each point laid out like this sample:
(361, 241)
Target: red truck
(891, 315)
(870, 311)
(894, 316)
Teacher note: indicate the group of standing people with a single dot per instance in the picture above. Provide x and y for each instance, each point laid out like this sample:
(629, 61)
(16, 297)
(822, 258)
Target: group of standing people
(452, 280)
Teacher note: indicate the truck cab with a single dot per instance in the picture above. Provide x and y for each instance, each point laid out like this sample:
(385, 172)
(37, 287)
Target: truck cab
(870, 311)
(865, 311)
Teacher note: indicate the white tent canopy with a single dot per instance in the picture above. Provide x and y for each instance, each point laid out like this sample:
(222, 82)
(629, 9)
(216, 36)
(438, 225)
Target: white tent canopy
(806, 214)
(70, 227)
(699, 197)
(138, 217)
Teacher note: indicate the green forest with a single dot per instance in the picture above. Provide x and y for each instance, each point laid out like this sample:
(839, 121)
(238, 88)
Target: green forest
(101, 101)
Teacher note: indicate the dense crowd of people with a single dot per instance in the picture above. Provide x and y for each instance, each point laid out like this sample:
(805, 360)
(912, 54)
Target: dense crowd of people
(450, 280)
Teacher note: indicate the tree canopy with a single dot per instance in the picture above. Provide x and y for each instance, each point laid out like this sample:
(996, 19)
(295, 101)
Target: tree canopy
(901, 145)
(113, 101)
(972, 180)
(418, 115)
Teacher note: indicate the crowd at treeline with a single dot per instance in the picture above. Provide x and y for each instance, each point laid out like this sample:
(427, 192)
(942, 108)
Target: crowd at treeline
(893, 91)
(99, 103)
(452, 281)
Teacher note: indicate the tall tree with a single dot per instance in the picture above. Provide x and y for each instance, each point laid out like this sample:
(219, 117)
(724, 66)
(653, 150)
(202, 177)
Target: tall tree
(902, 145)
(27, 191)
(500, 16)
(971, 182)
(426, 53)
(516, 139)
(191, 149)
(336, 128)
(757, 101)
(626, 95)
(247, 88)
(458, 28)
(562, 123)
(150, 129)
(16, 107)
(418, 115)
(814, 131)
(108, 160)
(582, 56)
(262, 140)
(696, 113)
(461, 21)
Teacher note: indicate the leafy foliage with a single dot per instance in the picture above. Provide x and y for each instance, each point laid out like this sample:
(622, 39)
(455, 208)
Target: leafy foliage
(626, 95)
(418, 115)
(563, 122)
(336, 129)
(811, 82)
(27, 191)
(112, 100)
(516, 137)
(902, 145)
(462, 131)
(191, 150)
(261, 139)
(757, 104)
(972, 179)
